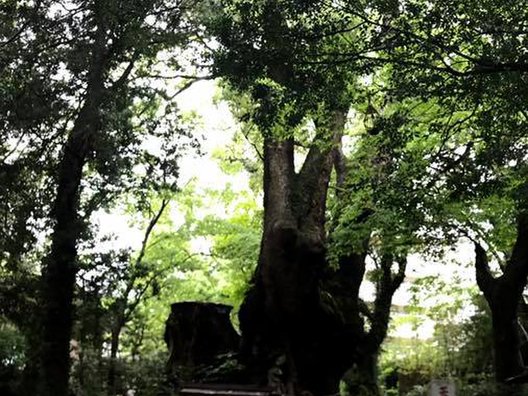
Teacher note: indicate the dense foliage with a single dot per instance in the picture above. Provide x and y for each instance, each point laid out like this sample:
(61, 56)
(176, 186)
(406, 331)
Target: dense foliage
(363, 134)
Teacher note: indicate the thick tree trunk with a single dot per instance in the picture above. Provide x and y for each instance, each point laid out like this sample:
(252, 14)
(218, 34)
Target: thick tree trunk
(506, 344)
(286, 316)
(503, 295)
(362, 378)
(197, 334)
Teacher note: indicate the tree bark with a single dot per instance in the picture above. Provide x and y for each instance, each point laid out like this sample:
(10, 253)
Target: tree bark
(503, 295)
(60, 266)
(112, 368)
(286, 315)
(362, 378)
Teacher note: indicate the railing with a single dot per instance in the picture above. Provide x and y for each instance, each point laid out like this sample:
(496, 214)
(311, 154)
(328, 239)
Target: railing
(193, 389)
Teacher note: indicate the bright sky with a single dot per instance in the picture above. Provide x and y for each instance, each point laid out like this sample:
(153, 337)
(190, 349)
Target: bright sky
(215, 129)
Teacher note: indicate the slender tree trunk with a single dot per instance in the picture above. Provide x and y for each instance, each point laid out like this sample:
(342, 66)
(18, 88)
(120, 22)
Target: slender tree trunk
(112, 368)
(60, 265)
(60, 271)
(362, 377)
(124, 308)
(503, 295)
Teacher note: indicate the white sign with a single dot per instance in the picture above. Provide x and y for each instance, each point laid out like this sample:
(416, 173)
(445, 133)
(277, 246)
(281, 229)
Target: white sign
(440, 387)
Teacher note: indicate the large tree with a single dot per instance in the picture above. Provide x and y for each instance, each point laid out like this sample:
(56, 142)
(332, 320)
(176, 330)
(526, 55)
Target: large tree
(471, 59)
(304, 307)
(76, 74)
(503, 295)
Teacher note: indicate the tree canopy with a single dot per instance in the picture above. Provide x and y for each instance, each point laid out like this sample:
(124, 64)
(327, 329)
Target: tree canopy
(362, 135)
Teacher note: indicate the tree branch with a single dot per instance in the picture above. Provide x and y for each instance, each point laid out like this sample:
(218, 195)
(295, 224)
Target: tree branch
(485, 279)
(126, 73)
(386, 286)
(516, 271)
(189, 84)
(314, 176)
(15, 35)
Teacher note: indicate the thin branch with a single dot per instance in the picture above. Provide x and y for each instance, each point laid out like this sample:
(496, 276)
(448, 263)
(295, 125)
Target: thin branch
(430, 43)
(126, 73)
(178, 76)
(446, 134)
(190, 84)
(22, 28)
(150, 227)
(333, 32)
(133, 305)
(410, 34)
(517, 268)
(245, 133)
